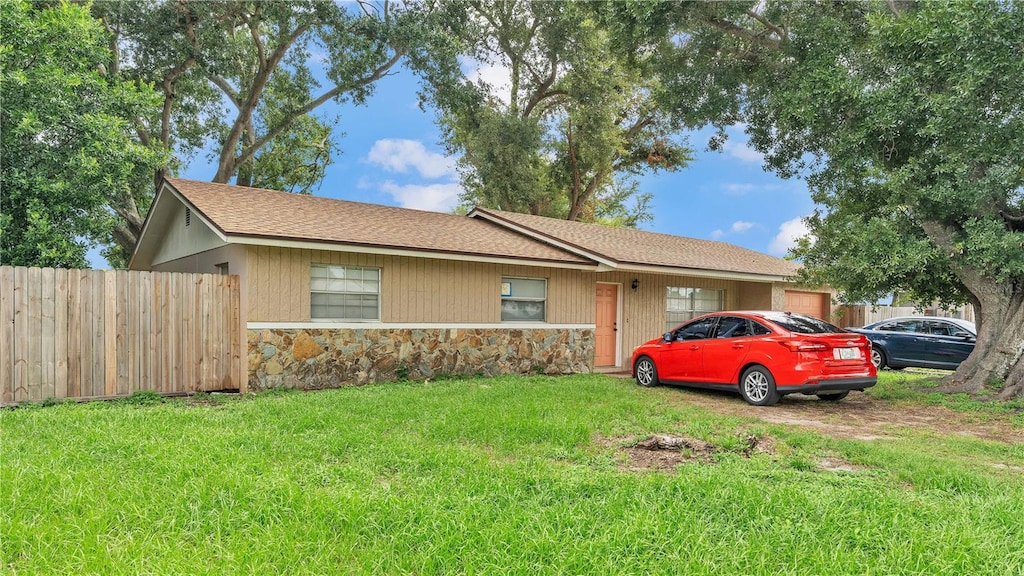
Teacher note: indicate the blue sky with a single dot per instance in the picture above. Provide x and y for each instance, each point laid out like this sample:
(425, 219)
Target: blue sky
(390, 154)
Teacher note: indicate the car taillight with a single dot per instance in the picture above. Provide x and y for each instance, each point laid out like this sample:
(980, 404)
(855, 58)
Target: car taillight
(803, 346)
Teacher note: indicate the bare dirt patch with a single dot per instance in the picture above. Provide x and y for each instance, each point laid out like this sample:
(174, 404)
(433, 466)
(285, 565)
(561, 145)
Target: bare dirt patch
(860, 416)
(665, 452)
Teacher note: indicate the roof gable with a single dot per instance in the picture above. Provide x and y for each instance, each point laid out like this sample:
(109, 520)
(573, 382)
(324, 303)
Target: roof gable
(246, 215)
(629, 247)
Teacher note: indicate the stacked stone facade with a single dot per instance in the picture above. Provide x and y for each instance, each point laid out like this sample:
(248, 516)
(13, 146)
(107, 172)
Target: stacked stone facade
(329, 358)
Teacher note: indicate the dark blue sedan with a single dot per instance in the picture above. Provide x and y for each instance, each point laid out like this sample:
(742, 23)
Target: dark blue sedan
(921, 341)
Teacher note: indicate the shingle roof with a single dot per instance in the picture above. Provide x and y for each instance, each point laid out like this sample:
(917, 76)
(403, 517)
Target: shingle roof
(631, 246)
(255, 212)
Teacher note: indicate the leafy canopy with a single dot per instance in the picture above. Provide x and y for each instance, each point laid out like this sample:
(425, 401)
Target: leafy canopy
(566, 123)
(905, 118)
(66, 136)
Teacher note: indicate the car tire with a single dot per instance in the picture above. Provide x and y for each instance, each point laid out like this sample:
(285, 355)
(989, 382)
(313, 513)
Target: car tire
(757, 387)
(878, 358)
(834, 396)
(646, 372)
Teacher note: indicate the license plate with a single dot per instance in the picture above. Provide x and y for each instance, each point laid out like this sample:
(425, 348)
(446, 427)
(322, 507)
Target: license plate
(846, 353)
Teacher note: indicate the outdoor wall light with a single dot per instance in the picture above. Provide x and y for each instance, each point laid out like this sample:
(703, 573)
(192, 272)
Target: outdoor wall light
(635, 284)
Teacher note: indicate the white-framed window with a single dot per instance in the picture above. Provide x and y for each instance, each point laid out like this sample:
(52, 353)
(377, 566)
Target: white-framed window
(685, 303)
(523, 299)
(344, 293)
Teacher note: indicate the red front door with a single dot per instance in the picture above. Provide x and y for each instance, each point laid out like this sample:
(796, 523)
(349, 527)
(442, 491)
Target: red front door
(607, 324)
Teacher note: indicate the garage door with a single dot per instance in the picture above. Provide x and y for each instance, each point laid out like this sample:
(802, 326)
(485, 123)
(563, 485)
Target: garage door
(809, 303)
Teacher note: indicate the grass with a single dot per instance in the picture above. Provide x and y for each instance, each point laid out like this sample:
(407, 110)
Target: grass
(512, 475)
(918, 386)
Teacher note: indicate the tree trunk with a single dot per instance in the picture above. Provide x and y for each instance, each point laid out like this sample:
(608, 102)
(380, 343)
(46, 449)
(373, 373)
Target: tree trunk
(996, 365)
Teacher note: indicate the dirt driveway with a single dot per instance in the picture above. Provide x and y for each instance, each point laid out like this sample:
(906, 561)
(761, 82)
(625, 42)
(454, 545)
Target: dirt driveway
(861, 416)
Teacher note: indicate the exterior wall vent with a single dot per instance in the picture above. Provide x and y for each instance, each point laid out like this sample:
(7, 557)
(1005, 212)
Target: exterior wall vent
(188, 216)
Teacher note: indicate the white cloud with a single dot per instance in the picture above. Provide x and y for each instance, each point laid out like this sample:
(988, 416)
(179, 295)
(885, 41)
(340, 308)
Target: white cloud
(433, 197)
(741, 226)
(497, 76)
(789, 232)
(716, 234)
(399, 155)
(738, 145)
(736, 189)
(743, 152)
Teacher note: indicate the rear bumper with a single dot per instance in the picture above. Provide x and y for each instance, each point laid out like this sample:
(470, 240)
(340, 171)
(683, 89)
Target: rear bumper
(829, 385)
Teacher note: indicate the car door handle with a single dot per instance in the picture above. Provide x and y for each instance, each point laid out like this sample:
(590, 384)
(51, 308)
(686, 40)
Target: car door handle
(694, 347)
(737, 346)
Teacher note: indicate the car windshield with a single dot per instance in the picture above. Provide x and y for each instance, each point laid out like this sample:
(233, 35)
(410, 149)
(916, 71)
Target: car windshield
(803, 324)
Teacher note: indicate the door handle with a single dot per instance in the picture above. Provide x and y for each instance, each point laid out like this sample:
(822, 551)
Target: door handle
(615, 326)
(737, 346)
(694, 347)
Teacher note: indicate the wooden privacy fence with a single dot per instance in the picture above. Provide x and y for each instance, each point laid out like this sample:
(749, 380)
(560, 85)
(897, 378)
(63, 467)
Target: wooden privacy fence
(104, 333)
(864, 314)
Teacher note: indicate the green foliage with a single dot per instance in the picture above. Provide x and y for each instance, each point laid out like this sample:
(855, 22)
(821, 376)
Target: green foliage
(574, 124)
(905, 118)
(65, 135)
(143, 398)
(239, 81)
(403, 478)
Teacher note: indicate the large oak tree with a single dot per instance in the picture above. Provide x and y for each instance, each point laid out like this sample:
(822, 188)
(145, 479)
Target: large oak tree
(906, 119)
(565, 122)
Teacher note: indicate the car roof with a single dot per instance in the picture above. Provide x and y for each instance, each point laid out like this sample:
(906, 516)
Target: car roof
(762, 314)
(959, 322)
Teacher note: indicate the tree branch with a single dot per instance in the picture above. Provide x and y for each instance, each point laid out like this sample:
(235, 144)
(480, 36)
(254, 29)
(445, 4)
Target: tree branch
(228, 160)
(778, 30)
(740, 32)
(227, 88)
(313, 104)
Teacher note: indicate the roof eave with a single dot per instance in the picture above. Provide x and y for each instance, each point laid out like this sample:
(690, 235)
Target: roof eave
(312, 244)
(699, 272)
(542, 237)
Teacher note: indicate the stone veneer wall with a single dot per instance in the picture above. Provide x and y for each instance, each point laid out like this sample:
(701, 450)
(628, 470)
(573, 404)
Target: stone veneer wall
(329, 358)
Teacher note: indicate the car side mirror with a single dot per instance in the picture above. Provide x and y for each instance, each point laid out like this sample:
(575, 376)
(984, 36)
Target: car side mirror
(668, 337)
(966, 336)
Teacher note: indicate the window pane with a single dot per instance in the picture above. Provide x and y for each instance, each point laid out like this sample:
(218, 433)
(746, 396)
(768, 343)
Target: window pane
(684, 303)
(731, 327)
(344, 293)
(697, 330)
(803, 324)
(519, 311)
(525, 288)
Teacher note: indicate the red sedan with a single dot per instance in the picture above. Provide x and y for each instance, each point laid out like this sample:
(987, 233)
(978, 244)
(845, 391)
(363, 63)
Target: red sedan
(766, 355)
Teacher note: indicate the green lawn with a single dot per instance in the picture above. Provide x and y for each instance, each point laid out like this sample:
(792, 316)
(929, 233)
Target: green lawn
(509, 475)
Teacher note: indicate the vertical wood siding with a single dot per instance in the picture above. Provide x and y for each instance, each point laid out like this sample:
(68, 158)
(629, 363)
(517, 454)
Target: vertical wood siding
(426, 290)
(96, 333)
(642, 316)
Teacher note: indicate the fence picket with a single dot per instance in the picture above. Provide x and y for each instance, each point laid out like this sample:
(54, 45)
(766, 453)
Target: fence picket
(34, 336)
(47, 341)
(74, 334)
(7, 340)
(60, 333)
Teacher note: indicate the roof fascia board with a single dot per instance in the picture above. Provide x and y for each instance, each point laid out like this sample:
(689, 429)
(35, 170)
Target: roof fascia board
(701, 273)
(536, 235)
(332, 247)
